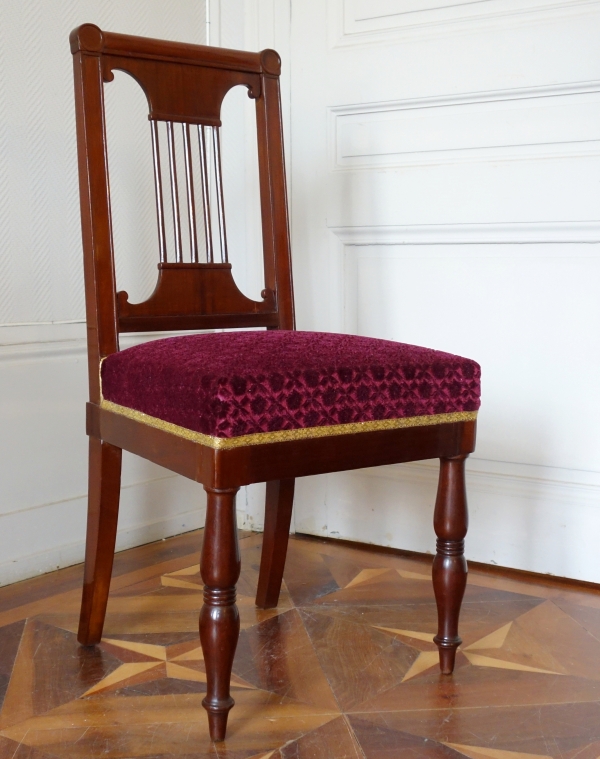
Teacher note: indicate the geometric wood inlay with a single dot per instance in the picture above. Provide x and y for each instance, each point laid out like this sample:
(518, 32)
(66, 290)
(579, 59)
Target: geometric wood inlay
(345, 667)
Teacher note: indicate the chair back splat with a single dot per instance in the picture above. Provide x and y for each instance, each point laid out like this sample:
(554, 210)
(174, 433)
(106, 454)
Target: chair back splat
(185, 86)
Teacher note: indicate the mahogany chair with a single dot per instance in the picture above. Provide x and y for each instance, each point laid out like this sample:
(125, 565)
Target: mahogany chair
(231, 408)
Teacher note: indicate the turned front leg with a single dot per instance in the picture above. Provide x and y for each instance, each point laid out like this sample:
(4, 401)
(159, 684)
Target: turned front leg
(450, 522)
(219, 618)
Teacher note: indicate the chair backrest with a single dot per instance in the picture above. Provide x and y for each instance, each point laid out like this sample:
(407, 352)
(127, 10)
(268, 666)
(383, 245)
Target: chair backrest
(185, 86)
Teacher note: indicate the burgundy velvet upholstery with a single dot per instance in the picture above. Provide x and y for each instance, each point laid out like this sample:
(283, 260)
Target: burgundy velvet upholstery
(239, 383)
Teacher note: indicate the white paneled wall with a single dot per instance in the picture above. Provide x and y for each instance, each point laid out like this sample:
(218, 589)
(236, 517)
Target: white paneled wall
(447, 194)
(376, 21)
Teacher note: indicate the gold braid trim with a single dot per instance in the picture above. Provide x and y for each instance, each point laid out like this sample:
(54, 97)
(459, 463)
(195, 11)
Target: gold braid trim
(281, 436)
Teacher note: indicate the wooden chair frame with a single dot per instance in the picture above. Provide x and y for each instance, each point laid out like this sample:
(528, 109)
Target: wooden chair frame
(204, 296)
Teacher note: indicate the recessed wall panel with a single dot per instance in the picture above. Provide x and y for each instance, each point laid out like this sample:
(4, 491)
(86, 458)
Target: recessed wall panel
(529, 314)
(493, 126)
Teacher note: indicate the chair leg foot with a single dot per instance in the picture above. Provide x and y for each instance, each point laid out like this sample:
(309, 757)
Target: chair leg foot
(278, 515)
(447, 658)
(449, 565)
(103, 512)
(219, 617)
(217, 721)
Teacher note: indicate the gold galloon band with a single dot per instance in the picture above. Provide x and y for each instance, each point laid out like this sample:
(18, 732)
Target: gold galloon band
(281, 436)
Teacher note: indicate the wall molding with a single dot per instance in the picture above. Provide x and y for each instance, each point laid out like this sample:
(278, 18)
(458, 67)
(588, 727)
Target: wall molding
(469, 126)
(462, 98)
(522, 516)
(508, 480)
(13, 335)
(19, 342)
(495, 233)
(348, 245)
(351, 28)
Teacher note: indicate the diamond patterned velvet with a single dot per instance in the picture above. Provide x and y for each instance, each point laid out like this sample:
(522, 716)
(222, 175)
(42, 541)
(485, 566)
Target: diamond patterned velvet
(239, 383)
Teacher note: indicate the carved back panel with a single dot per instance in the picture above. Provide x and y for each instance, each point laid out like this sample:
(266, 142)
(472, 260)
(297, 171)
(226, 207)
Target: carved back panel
(184, 86)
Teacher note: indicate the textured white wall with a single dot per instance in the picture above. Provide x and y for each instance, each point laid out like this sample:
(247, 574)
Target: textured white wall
(43, 383)
(41, 277)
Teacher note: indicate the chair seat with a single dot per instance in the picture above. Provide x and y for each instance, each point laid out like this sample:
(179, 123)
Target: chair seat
(245, 387)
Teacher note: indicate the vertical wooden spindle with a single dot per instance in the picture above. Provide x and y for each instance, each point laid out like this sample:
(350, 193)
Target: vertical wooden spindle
(174, 193)
(220, 199)
(205, 194)
(189, 186)
(160, 214)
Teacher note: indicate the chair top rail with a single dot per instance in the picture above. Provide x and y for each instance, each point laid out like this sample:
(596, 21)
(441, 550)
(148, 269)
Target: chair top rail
(91, 39)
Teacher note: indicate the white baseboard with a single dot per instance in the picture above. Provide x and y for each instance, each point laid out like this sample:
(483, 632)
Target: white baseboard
(43, 466)
(45, 552)
(538, 519)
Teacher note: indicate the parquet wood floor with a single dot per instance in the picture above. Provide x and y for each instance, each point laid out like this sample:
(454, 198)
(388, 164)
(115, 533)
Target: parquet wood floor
(344, 668)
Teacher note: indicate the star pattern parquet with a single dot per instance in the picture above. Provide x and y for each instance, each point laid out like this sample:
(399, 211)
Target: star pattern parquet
(344, 668)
